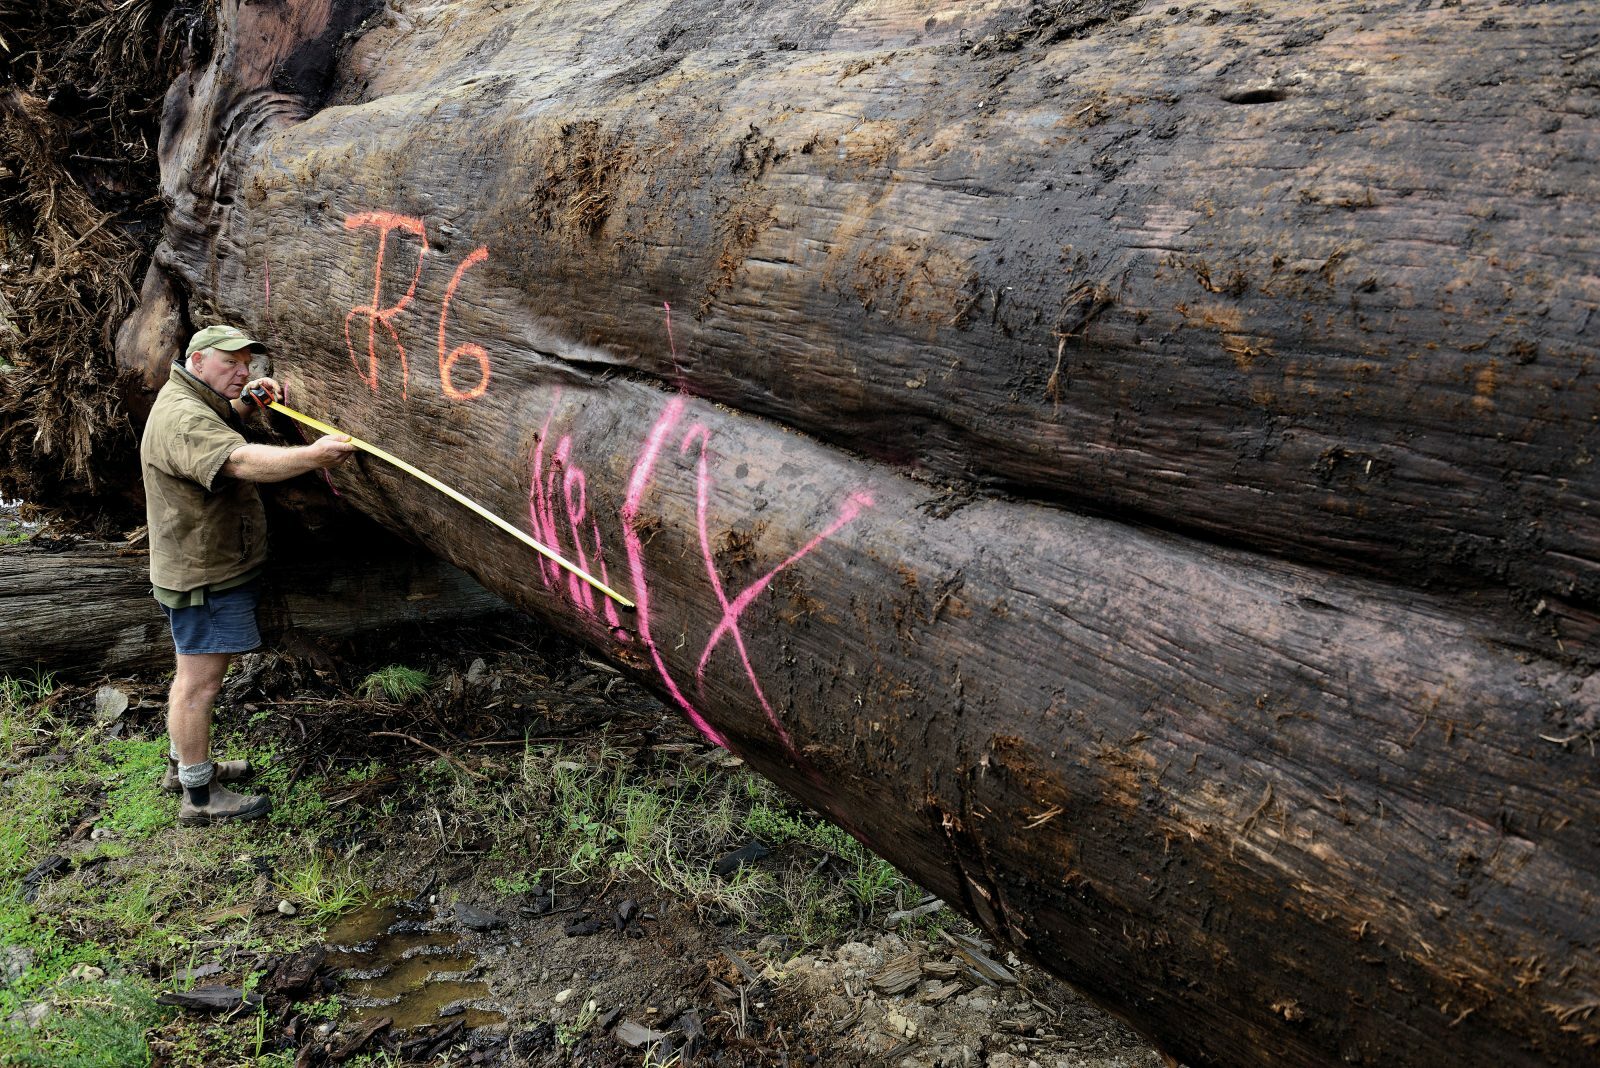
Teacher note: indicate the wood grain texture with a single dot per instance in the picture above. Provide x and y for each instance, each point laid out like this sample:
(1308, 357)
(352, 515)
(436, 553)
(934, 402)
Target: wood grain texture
(1133, 472)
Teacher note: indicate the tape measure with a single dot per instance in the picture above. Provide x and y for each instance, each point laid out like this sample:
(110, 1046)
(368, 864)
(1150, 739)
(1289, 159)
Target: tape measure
(260, 397)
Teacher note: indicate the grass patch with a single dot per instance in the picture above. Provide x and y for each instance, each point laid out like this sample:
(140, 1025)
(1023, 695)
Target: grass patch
(24, 711)
(574, 814)
(88, 1022)
(396, 684)
(91, 1025)
(136, 806)
(323, 890)
(152, 898)
(144, 899)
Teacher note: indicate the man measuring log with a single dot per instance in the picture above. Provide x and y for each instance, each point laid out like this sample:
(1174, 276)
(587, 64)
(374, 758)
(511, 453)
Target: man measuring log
(208, 547)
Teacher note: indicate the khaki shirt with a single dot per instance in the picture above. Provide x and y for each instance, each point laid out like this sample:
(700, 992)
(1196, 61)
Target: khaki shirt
(205, 527)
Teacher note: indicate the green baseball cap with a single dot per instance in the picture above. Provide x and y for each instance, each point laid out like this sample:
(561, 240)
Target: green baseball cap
(226, 338)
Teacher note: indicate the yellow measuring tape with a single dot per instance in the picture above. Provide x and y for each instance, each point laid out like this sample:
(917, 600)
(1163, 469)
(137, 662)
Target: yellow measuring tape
(388, 457)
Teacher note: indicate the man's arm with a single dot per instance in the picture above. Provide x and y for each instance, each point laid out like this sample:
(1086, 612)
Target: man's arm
(274, 463)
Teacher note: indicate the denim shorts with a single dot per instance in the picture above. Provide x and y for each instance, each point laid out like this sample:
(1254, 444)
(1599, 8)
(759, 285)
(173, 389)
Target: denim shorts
(226, 623)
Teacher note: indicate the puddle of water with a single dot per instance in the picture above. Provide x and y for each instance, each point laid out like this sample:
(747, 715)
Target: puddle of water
(393, 966)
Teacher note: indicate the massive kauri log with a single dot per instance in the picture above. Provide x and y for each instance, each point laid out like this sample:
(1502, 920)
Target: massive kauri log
(1131, 464)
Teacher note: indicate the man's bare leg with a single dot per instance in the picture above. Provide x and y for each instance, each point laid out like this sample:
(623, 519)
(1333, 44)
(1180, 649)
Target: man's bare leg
(194, 690)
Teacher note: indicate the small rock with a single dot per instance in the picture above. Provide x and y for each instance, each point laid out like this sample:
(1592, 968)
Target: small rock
(476, 919)
(583, 926)
(87, 973)
(36, 1014)
(286, 907)
(189, 975)
(562, 996)
(900, 1024)
(858, 954)
(14, 962)
(476, 671)
(109, 705)
(634, 1035)
(100, 834)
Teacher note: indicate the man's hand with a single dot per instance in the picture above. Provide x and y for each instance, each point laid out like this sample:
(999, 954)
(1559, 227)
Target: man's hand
(329, 450)
(274, 463)
(247, 401)
(275, 392)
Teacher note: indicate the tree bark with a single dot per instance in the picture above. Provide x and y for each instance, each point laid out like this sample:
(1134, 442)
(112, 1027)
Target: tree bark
(84, 610)
(1129, 465)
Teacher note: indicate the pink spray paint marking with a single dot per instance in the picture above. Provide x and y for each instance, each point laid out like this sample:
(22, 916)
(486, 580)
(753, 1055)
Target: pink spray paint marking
(541, 514)
(573, 480)
(556, 483)
(637, 485)
(728, 625)
(573, 499)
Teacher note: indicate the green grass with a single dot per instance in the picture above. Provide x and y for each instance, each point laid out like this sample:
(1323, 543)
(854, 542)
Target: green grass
(323, 890)
(91, 1025)
(24, 715)
(136, 900)
(396, 684)
(574, 814)
(136, 806)
(152, 897)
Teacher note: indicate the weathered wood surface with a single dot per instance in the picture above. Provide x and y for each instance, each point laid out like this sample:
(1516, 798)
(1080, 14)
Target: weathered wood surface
(83, 610)
(1299, 281)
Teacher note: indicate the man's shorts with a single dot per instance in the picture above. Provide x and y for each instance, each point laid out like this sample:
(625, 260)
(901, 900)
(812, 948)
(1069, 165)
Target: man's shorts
(226, 623)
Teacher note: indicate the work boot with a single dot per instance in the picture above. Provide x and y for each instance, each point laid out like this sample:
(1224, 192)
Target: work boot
(227, 771)
(220, 805)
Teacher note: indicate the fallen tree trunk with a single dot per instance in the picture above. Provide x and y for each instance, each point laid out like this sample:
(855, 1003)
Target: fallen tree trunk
(83, 609)
(1220, 273)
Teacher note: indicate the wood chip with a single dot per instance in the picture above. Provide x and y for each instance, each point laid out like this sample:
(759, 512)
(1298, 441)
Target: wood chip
(984, 967)
(941, 993)
(209, 998)
(940, 969)
(899, 975)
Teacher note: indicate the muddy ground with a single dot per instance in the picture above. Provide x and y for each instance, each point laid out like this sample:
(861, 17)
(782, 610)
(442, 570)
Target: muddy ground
(483, 851)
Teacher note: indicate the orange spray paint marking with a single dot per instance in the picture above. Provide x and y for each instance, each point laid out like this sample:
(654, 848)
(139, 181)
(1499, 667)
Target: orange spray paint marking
(446, 363)
(384, 222)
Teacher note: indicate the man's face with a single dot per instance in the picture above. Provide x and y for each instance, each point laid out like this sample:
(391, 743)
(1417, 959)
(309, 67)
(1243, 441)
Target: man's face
(225, 372)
